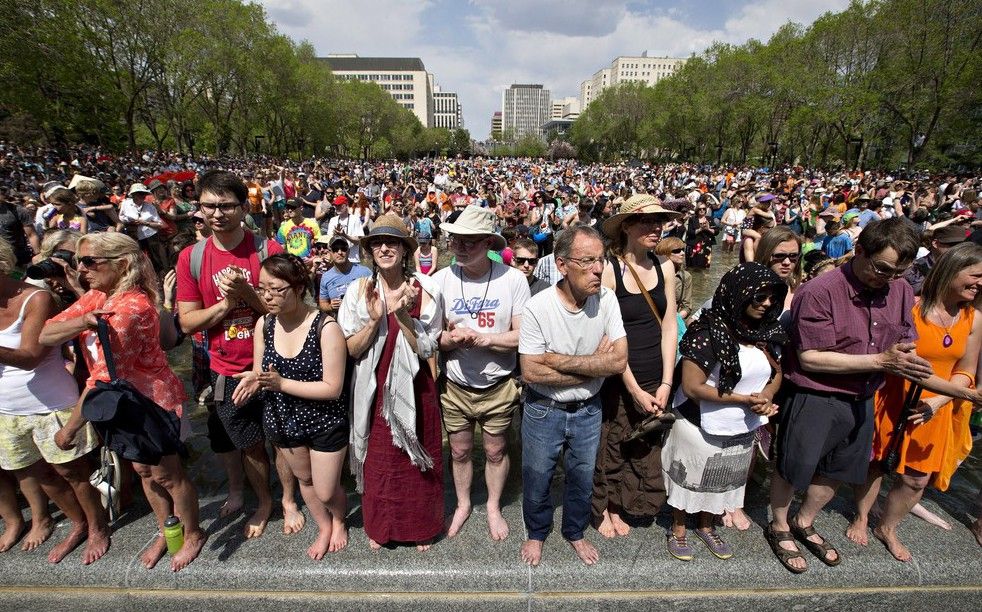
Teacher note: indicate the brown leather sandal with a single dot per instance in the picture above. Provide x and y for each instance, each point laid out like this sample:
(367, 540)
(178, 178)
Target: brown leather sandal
(774, 538)
(819, 549)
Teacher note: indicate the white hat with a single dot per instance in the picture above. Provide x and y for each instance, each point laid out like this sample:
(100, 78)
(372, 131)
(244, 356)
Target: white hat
(138, 188)
(476, 221)
(53, 189)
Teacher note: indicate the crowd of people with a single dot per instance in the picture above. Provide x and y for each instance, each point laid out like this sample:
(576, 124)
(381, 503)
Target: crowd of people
(330, 330)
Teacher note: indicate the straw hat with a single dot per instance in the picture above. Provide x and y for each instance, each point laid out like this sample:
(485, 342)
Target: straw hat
(476, 221)
(138, 188)
(641, 204)
(389, 225)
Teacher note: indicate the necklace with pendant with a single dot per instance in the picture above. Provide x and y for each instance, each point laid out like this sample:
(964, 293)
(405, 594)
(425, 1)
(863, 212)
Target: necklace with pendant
(475, 313)
(947, 341)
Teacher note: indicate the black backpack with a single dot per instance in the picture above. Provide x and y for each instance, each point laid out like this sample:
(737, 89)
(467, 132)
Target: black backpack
(130, 423)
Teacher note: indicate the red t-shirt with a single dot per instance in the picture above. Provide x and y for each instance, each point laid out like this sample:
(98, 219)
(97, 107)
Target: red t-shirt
(229, 342)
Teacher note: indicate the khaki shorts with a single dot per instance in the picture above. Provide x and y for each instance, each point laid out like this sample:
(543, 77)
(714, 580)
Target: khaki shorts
(492, 407)
(26, 439)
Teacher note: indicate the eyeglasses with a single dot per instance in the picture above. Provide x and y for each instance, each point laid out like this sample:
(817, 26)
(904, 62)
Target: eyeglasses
(779, 257)
(525, 260)
(585, 262)
(275, 291)
(465, 244)
(91, 261)
(890, 273)
(763, 296)
(227, 208)
(378, 243)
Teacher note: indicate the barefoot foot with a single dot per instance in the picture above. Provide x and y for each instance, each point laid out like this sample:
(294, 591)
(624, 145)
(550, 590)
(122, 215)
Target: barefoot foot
(232, 505)
(587, 552)
(926, 515)
(75, 537)
(606, 527)
(531, 552)
(318, 548)
(497, 526)
(193, 543)
(857, 531)
(40, 532)
(620, 527)
(339, 536)
(738, 519)
(154, 552)
(11, 535)
(893, 544)
(96, 545)
(423, 546)
(460, 516)
(293, 519)
(257, 522)
(374, 545)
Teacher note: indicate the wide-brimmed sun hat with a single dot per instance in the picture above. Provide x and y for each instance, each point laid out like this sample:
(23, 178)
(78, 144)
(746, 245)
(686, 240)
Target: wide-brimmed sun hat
(476, 221)
(640, 204)
(392, 226)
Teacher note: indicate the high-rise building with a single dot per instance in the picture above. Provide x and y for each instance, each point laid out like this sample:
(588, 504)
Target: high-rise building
(446, 110)
(496, 124)
(405, 78)
(628, 69)
(565, 108)
(524, 108)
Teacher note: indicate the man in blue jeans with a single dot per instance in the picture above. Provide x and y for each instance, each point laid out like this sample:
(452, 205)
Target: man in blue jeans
(572, 337)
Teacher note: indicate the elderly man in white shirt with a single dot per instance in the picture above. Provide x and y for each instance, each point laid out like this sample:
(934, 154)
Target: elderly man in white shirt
(141, 216)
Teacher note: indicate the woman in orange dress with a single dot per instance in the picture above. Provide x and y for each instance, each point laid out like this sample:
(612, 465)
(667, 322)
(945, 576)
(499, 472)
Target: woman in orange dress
(936, 438)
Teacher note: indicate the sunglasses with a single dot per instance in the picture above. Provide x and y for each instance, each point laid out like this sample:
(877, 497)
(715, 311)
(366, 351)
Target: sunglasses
(339, 249)
(90, 261)
(387, 242)
(779, 257)
(678, 251)
(526, 260)
(762, 296)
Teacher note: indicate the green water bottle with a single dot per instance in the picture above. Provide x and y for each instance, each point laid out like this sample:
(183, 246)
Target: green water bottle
(975, 424)
(173, 534)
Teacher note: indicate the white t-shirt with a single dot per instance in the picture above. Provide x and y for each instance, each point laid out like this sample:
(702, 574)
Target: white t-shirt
(722, 419)
(548, 327)
(351, 225)
(129, 212)
(507, 293)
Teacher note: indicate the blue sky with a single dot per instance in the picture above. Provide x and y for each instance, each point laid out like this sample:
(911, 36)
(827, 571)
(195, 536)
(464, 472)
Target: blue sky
(479, 47)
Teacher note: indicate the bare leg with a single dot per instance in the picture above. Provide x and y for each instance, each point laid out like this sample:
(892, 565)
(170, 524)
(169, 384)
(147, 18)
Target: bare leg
(30, 480)
(782, 492)
(327, 467)
(866, 495)
(929, 517)
(236, 481)
(293, 518)
(77, 474)
(907, 491)
(496, 474)
(298, 460)
(461, 448)
(161, 505)
(13, 520)
(256, 464)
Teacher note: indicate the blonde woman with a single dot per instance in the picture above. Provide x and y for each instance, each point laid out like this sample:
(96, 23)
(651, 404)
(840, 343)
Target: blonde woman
(123, 291)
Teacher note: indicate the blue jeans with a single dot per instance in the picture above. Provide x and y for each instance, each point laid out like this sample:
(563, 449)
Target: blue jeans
(545, 432)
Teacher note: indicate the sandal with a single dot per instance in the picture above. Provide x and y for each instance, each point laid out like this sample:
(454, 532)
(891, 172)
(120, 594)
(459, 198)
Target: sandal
(774, 538)
(651, 424)
(819, 549)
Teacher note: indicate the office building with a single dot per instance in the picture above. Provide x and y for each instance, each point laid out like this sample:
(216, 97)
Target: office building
(496, 124)
(405, 78)
(446, 110)
(565, 108)
(524, 108)
(628, 69)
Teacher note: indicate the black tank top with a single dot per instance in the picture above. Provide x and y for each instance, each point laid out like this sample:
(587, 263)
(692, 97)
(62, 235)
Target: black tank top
(643, 330)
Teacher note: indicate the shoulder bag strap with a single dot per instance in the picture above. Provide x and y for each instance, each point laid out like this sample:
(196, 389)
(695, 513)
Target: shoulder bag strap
(107, 350)
(644, 292)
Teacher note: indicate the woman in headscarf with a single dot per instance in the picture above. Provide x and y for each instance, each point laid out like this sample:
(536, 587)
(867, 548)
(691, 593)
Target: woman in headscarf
(730, 374)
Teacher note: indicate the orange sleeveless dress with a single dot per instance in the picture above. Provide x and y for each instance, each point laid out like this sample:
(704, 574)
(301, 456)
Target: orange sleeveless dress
(938, 446)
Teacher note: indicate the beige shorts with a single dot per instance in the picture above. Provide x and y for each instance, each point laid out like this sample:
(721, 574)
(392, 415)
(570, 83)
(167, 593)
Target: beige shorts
(492, 408)
(26, 439)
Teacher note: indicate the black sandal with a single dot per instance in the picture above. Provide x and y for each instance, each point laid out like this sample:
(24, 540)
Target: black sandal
(819, 549)
(774, 538)
(651, 424)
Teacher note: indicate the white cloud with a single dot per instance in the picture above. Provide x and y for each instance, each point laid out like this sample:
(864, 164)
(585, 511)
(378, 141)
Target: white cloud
(558, 43)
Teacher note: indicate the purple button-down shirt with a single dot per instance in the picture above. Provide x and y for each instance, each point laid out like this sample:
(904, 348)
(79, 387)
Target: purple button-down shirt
(836, 312)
